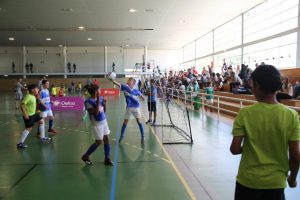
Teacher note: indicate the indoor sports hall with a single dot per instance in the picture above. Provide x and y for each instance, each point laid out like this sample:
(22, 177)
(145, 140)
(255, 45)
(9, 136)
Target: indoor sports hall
(147, 99)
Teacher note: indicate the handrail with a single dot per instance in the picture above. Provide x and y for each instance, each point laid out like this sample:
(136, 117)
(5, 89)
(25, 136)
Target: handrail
(188, 97)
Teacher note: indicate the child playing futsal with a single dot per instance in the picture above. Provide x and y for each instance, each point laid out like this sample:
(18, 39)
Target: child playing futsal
(267, 134)
(152, 102)
(46, 110)
(95, 105)
(133, 106)
(30, 117)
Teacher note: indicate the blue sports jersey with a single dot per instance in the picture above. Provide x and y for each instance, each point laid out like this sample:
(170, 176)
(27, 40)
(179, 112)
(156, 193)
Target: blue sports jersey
(131, 96)
(91, 103)
(45, 98)
(153, 94)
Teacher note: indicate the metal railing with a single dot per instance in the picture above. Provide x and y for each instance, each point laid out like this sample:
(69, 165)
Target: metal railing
(187, 97)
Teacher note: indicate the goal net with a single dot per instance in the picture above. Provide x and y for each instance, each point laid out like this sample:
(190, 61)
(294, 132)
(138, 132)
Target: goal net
(173, 118)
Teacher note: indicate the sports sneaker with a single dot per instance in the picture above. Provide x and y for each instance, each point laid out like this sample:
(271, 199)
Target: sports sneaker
(45, 139)
(53, 131)
(108, 162)
(153, 123)
(21, 145)
(86, 159)
(149, 121)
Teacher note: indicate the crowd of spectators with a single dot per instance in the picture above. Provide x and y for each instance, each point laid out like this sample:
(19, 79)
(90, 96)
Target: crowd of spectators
(231, 78)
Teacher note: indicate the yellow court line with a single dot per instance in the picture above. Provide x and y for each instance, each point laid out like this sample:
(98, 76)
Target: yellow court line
(180, 176)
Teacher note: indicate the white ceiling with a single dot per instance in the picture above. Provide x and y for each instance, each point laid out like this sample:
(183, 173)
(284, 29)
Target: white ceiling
(175, 22)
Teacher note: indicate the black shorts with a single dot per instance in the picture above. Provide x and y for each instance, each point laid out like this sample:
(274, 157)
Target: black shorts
(245, 193)
(29, 123)
(152, 106)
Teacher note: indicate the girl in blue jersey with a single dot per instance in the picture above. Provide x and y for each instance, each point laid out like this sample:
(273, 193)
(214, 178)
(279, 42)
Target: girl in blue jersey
(95, 105)
(133, 106)
(46, 106)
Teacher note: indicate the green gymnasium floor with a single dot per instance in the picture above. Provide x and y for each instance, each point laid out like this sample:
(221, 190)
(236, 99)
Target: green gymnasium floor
(205, 170)
(55, 171)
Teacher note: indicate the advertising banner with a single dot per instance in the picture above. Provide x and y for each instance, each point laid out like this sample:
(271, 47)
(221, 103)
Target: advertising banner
(67, 103)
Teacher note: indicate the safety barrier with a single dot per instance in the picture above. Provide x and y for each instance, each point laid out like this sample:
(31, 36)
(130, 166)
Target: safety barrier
(187, 96)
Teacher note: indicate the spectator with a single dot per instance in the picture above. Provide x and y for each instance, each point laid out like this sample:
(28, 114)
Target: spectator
(234, 81)
(69, 67)
(218, 82)
(27, 68)
(267, 134)
(287, 87)
(74, 68)
(196, 97)
(297, 90)
(13, 67)
(204, 71)
(31, 67)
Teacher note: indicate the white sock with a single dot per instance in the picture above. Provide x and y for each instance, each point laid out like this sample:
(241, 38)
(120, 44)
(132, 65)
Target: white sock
(24, 135)
(42, 130)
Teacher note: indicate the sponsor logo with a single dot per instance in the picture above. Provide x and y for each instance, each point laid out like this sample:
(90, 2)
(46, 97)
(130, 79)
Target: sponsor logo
(56, 103)
(68, 103)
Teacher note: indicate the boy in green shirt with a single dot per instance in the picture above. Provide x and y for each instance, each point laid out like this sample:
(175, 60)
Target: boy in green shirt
(209, 97)
(267, 134)
(30, 117)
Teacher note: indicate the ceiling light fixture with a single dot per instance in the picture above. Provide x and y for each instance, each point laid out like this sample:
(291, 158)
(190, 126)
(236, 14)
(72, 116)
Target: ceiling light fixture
(67, 9)
(81, 28)
(48, 39)
(90, 39)
(127, 45)
(60, 45)
(11, 39)
(132, 10)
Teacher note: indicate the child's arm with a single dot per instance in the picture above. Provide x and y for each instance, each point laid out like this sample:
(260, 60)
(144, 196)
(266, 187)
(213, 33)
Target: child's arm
(23, 108)
(104, 104)
(236, 145)
(294, 159)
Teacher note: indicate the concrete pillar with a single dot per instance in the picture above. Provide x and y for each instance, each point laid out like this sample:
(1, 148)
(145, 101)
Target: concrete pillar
(242, 41)
(105, 59)
(65, 61)
(24, 61)
(146, 55)
(298, 38)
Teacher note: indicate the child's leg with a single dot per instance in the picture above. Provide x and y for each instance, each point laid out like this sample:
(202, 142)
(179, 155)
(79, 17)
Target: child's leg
(150, 117)
(150, 113)
(24, 135)
(123, 129)
(17, 104)
(42, 128)
(86, 157)
(107, 160)
(51, 118)
(138, 120)
(92, 148)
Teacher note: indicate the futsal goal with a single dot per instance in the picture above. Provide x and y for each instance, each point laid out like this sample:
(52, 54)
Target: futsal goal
(173, 118)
